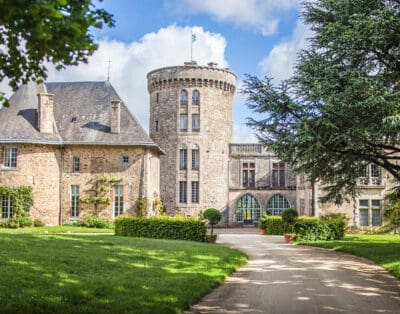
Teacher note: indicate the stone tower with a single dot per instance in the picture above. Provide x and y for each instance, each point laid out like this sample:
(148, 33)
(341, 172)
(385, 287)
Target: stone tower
(191, 120)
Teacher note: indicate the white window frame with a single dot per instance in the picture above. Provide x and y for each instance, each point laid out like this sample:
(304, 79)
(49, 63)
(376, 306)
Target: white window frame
(76, 164)
(369, 208)
(118, 200)
(10, 158)
(7, 207)
(74, 201)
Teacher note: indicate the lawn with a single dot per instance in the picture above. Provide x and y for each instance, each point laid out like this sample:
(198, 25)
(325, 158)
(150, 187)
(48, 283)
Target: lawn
(381, 249)
(107, 274)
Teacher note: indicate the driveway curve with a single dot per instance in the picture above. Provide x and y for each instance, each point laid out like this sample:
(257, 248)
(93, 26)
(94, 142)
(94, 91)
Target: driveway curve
(284, 278)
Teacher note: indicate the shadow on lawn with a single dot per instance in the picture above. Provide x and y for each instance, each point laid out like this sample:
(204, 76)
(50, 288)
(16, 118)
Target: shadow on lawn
(76, 274)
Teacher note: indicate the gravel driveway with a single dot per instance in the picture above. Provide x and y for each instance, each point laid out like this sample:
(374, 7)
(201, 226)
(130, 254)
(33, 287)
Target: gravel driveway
(284, 278)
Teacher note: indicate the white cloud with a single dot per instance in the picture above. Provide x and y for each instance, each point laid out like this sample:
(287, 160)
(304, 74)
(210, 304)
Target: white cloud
(262, 15)
(132, 61)
(279, 63)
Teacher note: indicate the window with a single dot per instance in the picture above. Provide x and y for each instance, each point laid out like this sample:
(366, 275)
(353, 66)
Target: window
(157, 127)
(74, 200)
(118, 200)
(196, 98)
(157, 97)
(195, 192)
(248, 209)
(248, 174)
(183, 122)
(182, 192)
(195, 122)
(182, 159)
(195, 159)
(76, 164)
(6, 207)
(277, 204)
(370, 175)
(363, 212)
(376, 213)
(10, 157)
(184, 98)
(125, 160)
(278, 175)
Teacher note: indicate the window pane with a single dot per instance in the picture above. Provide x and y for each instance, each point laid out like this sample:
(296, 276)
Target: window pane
(74, 200)
(196, 122)
(182, 159)
(184, 97)
(376, 217)
(182, 192)
(277, 204)
(183, 122)
(76, 164)
(247, 209)
(10, 157)
(363, 217)
(195, 192)
(376, 203)
(195, 159)
(375, 171)
(118, 200)
(196, 98)
(363, 203)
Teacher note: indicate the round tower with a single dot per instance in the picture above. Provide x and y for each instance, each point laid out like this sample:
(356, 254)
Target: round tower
(191, 120)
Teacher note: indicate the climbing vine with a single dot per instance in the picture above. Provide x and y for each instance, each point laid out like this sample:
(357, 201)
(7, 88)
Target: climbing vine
(21, 196)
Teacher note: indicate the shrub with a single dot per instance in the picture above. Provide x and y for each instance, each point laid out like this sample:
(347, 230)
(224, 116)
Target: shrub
(274, 225)
(24, 221)
(289, 217)
(313, 229)
(38, 223)
(161, 227)
(262, 222)
(213, 216)
(95, 222)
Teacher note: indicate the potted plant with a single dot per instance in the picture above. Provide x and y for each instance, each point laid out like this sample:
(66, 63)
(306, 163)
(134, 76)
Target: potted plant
(262, 223)
(289, 217)
(213, 216)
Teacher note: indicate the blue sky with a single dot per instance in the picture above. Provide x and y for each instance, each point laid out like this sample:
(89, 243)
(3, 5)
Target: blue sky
(259, 37)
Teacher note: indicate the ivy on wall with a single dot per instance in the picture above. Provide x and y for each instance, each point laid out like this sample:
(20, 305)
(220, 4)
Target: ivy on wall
(21, 196)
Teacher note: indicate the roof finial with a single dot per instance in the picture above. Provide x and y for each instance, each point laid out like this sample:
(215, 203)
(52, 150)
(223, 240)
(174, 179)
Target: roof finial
(108, 69)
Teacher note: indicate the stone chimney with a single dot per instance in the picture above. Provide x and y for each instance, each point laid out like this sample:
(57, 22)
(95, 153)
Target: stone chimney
(115, 116)
(45, 113)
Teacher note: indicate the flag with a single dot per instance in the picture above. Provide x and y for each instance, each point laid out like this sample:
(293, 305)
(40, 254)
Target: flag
(193, 38)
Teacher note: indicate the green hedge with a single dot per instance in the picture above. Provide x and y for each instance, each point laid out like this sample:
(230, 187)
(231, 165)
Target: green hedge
(313, 229)
(274, 225)
(161, 227)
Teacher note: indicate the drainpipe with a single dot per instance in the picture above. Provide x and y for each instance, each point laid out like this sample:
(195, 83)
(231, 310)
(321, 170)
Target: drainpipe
(61, 185)
(227, 205)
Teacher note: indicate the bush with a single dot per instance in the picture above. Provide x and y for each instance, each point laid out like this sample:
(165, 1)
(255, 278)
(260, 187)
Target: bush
(289, 217)
(262, 222)
(161, 227)
(274, 225)
(95, 222)
(213, 216)
(38, 223)
(313, 229)
(14, 223)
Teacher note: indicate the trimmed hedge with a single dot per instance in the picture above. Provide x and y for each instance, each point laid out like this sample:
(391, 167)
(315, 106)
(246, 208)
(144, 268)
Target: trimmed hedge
(161, 227)
(274, 225)
(313, 229)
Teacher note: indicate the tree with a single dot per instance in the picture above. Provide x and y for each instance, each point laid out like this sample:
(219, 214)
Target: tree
(33, 33)
(340, 111)
(213, 216)
(392, 211)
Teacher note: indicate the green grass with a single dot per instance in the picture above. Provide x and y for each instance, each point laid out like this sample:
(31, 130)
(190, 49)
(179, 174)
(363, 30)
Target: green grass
(57, 229)
(381, 249)
(107, 274)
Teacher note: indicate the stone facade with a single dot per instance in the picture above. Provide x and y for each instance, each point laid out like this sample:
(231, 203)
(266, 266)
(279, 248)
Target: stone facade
(178, 96)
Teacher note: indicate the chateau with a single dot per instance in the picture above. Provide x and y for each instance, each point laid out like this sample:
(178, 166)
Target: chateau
(62, 138)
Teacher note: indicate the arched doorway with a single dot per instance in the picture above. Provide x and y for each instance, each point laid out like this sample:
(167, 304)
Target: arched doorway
(277, 204)
(248, 210)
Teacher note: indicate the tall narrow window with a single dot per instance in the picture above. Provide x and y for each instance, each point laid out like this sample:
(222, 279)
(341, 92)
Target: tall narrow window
(74, 200)
(376, 175)
(184, 98)
(248, 174)
(376, 213)
(195, 159)
(195, 122)
(6, 207)
(195, 192)
(363, 212)
(118, 200)
(183, 159)
(196, 98)
(157, 97)
(76, 164)
(278, 175)
(182, 192)
(157, 127)
(10, 157)
(183, 122)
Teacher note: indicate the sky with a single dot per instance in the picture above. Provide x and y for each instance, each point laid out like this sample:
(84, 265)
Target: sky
(257, 37)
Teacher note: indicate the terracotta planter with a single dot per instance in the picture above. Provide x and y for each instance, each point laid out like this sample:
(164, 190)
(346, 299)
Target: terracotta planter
(263, 231)
(211, 238)
(289, 238)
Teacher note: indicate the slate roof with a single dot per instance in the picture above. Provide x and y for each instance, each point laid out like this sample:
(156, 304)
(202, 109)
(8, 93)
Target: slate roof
(82, 113)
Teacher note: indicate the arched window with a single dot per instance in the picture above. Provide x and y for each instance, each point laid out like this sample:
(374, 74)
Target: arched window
(277, 204)
(184, 97)
(196, 98)
(248, 209)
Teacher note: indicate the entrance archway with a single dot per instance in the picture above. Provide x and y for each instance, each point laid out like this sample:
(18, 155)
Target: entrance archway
(248, 210)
